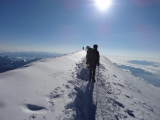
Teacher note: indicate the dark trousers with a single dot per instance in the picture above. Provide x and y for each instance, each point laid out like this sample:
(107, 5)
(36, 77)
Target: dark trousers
(92, 68)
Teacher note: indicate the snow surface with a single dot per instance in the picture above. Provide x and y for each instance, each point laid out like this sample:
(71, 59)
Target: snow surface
(58, 89)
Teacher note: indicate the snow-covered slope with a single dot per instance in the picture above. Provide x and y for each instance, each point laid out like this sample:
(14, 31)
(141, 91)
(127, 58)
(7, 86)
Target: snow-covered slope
(57, 89)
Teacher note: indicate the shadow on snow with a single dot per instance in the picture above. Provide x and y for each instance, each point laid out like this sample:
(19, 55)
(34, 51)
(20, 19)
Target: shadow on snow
(85, 108)
(83, 74)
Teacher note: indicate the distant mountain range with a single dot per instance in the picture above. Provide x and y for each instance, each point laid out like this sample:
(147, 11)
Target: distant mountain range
(1, 52)
(29, 55)
(13, 60)
(7, 63)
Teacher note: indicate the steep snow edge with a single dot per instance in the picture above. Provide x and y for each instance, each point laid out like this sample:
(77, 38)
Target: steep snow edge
(134, 96)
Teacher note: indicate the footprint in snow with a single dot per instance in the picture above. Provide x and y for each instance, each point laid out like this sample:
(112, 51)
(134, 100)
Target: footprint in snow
(130, 112)
(127, 96)
(67, 86)
(53, 96)
(114, 75)
(119, 104)
(118, 84)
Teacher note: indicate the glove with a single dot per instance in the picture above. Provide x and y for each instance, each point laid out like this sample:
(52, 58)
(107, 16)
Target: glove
(98, 64)
(86, 62)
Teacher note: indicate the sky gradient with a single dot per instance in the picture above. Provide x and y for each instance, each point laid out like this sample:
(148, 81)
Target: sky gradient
(126, 28)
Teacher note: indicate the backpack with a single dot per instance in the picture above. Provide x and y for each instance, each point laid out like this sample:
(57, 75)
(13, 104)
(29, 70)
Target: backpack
(93, 56)
(88, 55)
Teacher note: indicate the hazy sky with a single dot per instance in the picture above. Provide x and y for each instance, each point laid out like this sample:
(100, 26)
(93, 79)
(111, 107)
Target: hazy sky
(124, 28)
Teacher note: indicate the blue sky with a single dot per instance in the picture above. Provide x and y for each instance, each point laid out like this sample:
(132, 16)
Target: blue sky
(125, 28)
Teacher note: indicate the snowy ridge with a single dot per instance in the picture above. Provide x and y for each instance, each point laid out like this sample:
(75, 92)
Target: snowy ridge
(58, 89)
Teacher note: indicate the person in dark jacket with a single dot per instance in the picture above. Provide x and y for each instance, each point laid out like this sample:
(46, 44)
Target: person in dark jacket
(89, 50)
(93, 60)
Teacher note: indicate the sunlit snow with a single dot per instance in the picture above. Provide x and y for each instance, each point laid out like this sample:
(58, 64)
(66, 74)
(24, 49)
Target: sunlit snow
(58, 89)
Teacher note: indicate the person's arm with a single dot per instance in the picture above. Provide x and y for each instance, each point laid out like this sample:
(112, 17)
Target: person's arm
(98, 58)
(87, 54)
(87, 58)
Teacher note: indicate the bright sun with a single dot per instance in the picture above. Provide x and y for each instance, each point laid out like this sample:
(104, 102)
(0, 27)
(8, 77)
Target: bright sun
(103, 4)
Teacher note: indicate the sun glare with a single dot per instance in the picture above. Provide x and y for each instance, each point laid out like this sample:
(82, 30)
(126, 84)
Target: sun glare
(103, 4)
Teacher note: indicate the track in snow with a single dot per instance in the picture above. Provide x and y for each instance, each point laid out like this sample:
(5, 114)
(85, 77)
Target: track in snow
(96, 101)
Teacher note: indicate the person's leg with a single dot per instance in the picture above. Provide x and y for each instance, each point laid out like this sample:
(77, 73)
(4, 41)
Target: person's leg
(90, 72)
(93, 69)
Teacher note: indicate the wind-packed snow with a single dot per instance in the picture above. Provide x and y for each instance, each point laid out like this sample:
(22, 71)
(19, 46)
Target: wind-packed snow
(58, 89)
